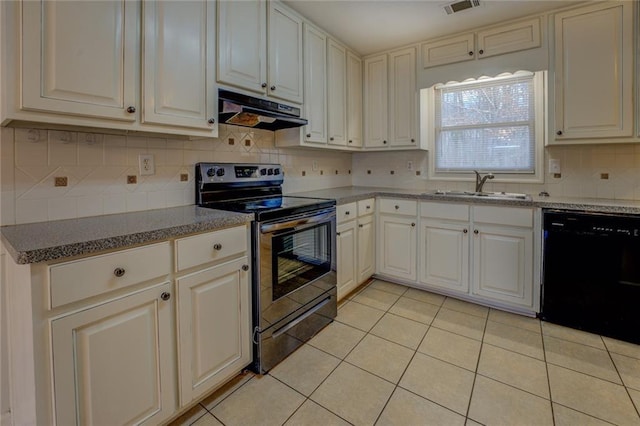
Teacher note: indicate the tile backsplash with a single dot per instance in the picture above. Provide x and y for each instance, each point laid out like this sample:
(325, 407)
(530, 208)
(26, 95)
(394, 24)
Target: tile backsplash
(96, 167)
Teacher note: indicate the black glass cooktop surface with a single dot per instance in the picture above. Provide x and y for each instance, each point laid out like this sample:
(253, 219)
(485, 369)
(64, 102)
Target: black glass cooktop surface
(266, 208)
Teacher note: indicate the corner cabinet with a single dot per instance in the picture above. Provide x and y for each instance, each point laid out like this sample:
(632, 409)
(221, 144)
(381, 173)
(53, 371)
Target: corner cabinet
(315, 71)
(260, 51)
(594, 60)
(337, 92)
(390, 100)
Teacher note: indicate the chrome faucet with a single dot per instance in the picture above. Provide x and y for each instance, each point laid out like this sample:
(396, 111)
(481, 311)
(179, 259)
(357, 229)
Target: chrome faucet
(481, 180)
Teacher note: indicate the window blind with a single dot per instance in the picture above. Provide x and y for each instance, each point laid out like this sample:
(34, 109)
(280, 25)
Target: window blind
(486, 125)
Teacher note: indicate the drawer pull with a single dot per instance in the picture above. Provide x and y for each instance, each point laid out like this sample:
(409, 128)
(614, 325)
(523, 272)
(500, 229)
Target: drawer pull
(118, 272)
(165, 296)
(217, 246)
(245, 267)
(361, 226)
(347, 213)
(413, 224)
(397, 207)
(475, 231)
(464, 231)
(368, 207)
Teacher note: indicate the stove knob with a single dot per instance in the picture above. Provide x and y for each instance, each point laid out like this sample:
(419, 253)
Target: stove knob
(220, 172)
(270, 172)
(211, 172)
(263, 172)
(276, 171)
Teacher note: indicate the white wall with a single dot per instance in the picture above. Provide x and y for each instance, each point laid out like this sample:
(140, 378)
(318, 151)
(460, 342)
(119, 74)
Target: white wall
(97, 165)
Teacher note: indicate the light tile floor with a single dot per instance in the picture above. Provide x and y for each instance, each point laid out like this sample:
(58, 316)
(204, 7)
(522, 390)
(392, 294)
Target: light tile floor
(401, 356)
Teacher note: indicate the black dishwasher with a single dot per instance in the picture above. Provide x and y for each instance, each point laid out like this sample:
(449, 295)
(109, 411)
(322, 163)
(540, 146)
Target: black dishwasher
(591, 277)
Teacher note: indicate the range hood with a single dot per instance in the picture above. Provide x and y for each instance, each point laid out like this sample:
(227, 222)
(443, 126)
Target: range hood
(243, 110)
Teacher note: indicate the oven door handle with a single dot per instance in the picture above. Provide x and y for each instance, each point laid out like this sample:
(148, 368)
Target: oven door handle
(279, 332)
(268, 228)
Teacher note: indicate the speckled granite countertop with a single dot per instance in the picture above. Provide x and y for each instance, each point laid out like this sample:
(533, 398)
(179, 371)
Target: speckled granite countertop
(349, 194)
(45, 241)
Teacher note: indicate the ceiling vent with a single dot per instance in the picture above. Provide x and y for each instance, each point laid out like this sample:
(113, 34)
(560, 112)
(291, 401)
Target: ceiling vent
(459, 6)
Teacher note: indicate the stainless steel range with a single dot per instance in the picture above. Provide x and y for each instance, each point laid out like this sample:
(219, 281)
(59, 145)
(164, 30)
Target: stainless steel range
(293, 239)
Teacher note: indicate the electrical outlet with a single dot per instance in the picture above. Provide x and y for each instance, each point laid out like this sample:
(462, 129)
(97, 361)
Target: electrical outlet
(409, 165)
(184, 177)
(61, 181)
(147, 164)
(314, 165)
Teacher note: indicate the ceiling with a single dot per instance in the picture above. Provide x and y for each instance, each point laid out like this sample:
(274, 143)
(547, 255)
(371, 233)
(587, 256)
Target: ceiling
(370, 26)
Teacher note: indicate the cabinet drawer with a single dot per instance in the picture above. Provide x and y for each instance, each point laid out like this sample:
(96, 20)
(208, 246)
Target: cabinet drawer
(404, 207)
(346, 212)
(511, 216)
(79, 279)
(449, 211)
(366, 207)
(209, 247)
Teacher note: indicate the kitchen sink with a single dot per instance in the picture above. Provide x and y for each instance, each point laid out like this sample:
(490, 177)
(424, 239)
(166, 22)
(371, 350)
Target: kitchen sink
(485, 195)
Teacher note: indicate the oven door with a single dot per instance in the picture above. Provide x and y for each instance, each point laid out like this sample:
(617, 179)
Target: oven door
(295, 264)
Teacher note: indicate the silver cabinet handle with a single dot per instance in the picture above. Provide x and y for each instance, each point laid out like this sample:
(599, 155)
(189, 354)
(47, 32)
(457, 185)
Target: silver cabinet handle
(368, 207)
(475, 231)
(217, 246)
(413, 224)
(464, 231)
(347, 213)
(361, 226)
(273, 88)
(118, 272)
(245, 267)
(211, 120)
(165, 296)
(131, 109)
(397, 207)
(263, 85)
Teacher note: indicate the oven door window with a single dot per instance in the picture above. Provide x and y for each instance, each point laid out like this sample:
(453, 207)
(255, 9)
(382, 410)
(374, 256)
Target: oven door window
(300, 257)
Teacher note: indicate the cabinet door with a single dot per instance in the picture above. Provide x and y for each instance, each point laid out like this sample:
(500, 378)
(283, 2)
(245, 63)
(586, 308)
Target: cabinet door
(594, 71)
(346, 254)
(509, 38)
(447, 51)
(337, 93)
(242, 45)
(176, 88)
(285, 54)
(503, 264)
(354, 101)
(80, 58)
(366, 248)
(402, 97)
(315, 84)
(397, 247)
(444, 254)
(214, 327)
(113, 363)
(376, 110)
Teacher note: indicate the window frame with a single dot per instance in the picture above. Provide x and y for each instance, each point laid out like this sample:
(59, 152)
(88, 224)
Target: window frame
(428, 130)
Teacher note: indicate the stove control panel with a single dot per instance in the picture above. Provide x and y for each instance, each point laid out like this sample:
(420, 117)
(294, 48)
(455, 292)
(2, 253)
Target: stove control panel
(238, 172)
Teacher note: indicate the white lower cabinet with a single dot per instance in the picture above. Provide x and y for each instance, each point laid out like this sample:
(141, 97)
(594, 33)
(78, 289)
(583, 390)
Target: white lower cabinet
(355, 244)
(112, 363)
(503, 264)
(214, 327)
(397, 239)
(444, 260)
(498, 240)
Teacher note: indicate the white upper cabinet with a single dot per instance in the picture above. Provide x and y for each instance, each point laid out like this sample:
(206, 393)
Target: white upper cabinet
(315, 71)
(337, 92)
(285, 54)
(390, 100)
(402, 97)
(376, 108)
(80, 58)
(242, 48)
(354, 101)
(177, 89)
(594, 72)
(242, 44)
(448, 51)
(509, 38)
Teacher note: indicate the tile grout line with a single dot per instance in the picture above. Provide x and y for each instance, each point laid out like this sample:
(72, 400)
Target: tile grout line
(475, 375)
(626, 388)
(546, 368)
